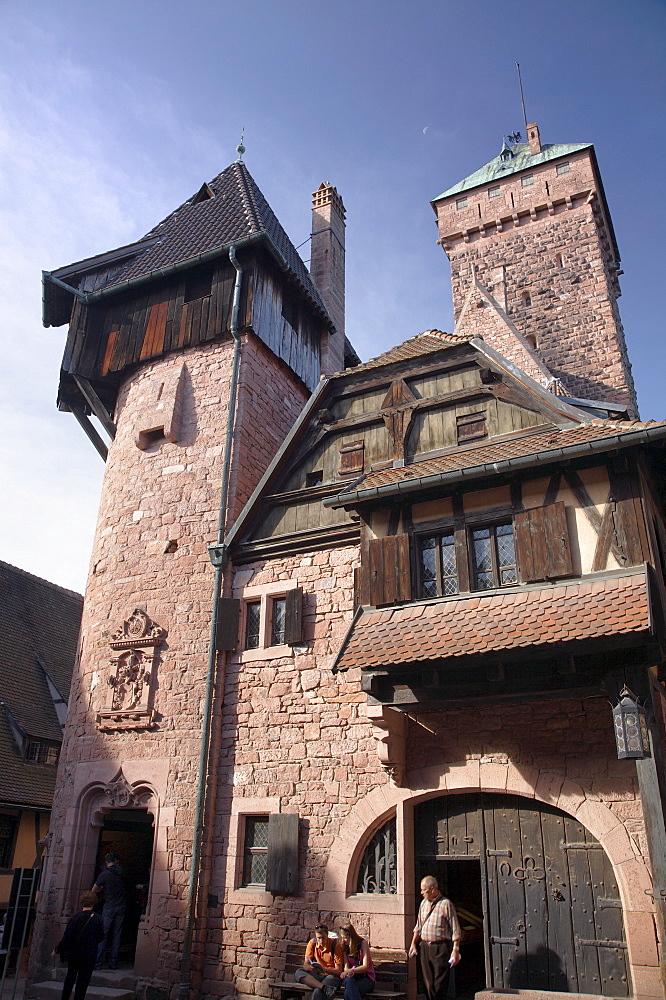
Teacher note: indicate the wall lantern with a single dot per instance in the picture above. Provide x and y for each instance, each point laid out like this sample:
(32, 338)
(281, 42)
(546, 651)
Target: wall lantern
(631, 730)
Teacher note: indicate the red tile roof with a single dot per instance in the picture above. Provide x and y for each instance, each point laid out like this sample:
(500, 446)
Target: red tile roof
(485, 623)
(427, 342)
(488, 453)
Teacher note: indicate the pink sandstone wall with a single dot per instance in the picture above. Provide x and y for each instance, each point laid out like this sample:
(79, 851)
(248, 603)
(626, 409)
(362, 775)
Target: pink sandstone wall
(167, 493)
(549, 240)
(294, 737)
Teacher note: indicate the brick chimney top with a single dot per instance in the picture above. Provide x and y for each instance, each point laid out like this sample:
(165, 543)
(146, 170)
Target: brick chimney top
(327, 194)
(533, 137)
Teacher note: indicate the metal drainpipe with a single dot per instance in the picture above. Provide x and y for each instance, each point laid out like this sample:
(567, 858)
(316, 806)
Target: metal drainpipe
(215, 552)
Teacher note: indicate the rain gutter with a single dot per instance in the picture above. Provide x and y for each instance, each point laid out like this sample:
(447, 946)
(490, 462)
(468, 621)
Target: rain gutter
(219, 563)
(566, 453)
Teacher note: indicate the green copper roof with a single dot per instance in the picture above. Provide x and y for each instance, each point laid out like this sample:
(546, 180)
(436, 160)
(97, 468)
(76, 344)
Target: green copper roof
(520, 159)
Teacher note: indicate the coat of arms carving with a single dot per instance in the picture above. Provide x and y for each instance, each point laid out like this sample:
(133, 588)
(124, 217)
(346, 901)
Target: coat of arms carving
(132, 677)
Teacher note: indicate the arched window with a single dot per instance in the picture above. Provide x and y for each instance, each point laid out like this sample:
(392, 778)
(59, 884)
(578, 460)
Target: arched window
(378, 871)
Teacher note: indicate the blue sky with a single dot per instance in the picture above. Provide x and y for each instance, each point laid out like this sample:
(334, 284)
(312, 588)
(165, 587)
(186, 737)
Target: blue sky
(112, 114)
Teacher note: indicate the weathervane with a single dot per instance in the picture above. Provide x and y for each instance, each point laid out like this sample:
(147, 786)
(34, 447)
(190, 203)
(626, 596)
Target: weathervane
(240, 148)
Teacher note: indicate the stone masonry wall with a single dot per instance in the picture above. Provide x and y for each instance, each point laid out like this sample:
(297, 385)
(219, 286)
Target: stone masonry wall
(551, 240)
(294, 737)
(158, 513)
(573, 312)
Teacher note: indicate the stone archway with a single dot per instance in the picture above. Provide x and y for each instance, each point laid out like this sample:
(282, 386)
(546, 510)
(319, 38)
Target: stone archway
(391, 915)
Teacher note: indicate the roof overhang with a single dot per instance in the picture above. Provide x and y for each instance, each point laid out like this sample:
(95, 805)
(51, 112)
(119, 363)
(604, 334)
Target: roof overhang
(409, 486)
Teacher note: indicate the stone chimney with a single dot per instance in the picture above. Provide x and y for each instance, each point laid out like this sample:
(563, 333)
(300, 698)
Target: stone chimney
(327, 267)
(533, 137)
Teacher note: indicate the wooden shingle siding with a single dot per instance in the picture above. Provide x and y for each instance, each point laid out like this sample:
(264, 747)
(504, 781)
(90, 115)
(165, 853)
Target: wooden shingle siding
(107, 337)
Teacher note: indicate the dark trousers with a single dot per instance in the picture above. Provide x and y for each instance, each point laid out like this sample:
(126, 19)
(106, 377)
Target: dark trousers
(358, 986)
(435, 968)
(78, 972)
(113, 917)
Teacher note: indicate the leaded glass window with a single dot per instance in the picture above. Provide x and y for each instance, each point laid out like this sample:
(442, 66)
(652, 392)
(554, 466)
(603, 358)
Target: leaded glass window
(252, 624)
(438, 573)
(255, 854)
(278, 619)
(379, 872)
(494, 557)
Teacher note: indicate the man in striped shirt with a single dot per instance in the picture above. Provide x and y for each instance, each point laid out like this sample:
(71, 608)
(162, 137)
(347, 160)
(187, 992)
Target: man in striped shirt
(438, 931)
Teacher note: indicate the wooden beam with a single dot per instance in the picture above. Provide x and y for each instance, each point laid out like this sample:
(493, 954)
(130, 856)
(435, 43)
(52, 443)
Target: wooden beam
(95, 404)
(90, 431)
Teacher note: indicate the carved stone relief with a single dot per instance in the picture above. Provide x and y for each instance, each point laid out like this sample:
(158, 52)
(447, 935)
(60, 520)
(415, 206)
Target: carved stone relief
(131, 679)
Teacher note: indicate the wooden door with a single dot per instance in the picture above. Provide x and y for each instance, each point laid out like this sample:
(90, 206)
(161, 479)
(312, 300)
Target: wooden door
(552, 912)
(554, 915)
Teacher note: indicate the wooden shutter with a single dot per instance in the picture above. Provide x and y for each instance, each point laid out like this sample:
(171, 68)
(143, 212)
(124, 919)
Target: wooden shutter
(352, 458)
(542, 543)
(282, 861)
(293, 616)
(386, 577)
(226, 633)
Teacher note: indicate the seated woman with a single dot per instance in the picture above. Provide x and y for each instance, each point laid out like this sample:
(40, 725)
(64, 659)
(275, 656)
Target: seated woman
(358, 974)
(322, 966)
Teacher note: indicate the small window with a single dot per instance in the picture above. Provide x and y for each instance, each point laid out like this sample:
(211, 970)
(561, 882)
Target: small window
(379, 870)
(563, 168)
(255, 851)
(290, 309)
(41, 753)
(8, 828)
(252, 624)
(197, 286)
(461, 203)
(526, 298)
(278, 620)
(471, 427)
(314, 478)
(527, 181)
(559, 260)
(437, 565)
(494, 191)
(493, 557)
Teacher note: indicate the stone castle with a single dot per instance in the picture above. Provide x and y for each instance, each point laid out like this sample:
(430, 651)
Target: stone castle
(342, 632)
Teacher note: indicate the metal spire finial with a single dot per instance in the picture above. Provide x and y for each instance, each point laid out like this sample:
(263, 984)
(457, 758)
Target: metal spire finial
(240, 148)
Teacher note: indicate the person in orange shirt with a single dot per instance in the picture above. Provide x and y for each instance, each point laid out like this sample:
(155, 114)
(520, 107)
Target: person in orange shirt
(322, 966)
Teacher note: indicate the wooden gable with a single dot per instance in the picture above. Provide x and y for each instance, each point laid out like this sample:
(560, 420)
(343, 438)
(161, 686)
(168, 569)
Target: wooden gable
(383, 418)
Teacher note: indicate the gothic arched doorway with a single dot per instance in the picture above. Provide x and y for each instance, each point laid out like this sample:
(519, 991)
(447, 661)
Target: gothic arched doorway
(552, 917)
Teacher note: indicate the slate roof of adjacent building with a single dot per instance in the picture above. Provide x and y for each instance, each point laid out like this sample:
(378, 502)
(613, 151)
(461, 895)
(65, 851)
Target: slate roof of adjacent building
(520, 159)
(202, 224)
(39, 629)
(542, 446)
(479, 624)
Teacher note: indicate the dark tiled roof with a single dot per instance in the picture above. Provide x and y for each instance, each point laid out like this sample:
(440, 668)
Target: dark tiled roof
(39, 623)
(237, 211)
(480, 624)
(489, 453)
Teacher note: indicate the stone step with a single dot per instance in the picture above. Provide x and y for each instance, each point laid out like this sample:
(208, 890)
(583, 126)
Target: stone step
(118, 979)
(52, 989)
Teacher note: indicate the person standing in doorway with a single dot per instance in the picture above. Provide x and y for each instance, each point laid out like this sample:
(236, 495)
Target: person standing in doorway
(78, 947)
(436, 939)
(111, 882)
